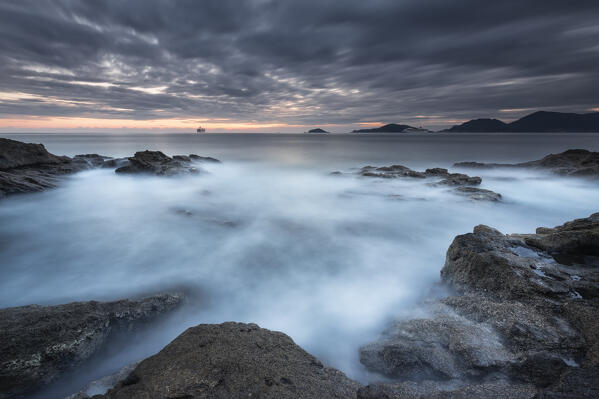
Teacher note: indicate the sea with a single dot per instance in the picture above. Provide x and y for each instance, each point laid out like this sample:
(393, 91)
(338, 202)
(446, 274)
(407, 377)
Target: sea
(269, 236)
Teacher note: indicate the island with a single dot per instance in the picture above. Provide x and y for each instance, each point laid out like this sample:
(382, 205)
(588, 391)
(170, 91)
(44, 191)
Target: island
(391, 128)
(317, 130)
(537, 122)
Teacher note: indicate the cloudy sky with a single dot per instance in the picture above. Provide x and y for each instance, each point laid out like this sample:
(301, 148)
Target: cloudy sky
(234, 65)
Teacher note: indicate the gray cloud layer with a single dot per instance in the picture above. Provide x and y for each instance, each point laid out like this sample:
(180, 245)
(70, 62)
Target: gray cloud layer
(297, 62)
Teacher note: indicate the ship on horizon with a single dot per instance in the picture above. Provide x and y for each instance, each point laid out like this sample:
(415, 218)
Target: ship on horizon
(200, 130)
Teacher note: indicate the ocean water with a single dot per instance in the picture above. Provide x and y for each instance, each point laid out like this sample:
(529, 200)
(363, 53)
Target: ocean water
(269, 236)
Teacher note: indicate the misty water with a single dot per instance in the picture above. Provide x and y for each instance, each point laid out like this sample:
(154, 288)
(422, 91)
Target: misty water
(268, 236)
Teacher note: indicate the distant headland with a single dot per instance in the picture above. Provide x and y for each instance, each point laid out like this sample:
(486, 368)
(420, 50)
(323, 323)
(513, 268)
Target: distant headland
(391, 128)
(537, 122)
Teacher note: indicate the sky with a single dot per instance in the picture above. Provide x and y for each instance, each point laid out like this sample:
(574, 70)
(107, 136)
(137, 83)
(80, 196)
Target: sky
(288, 66)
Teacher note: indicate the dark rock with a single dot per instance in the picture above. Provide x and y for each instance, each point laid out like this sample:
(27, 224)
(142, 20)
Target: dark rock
(233, 360)
(15, 154)
(478, 194)
(450, 390)
(519, 320)
(157, 163)
(40, 343)
(26, 167)
(460, 179)
(317, 130)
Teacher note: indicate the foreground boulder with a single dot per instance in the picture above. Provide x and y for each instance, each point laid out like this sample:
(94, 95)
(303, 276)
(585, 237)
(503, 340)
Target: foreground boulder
(27, 167)
(568, 163)
(157, 163)
(40, 343)
(524, 323)
(233, 360)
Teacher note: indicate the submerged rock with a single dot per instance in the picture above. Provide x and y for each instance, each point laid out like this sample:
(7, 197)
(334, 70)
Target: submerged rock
(568, 163)
(233, 360)
(461, 184)
(524, 322)
(478, 194)
(40, 343)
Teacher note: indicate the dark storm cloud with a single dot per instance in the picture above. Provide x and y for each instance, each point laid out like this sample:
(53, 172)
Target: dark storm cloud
(303, 62)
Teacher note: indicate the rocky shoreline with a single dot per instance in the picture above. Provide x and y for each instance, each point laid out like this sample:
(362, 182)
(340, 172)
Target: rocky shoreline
(521, 320)
(521, 323)
(28, 167)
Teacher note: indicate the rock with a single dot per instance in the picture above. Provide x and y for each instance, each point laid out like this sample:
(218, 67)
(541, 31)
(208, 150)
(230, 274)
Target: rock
(157, 163)
(451, 390)
(26, 167)
(395, 171)
(568, 163)
(392, 171)
(40, 343)
(317, 130)
(525, 318)
(444, 346)
(15, 154)
(233, 360)
(478, 194)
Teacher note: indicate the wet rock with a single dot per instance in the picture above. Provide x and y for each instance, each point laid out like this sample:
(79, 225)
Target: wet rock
(157, 163)
(26, 167)
(233, 360)
(478, 194)
(459, 179)
(450, 390)
(443, 347)
(568, 163)
(519, 320)
(40, 343)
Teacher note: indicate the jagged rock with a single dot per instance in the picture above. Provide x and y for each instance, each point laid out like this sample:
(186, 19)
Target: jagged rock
(157, 163)
(526, 316)
(40, 343)
(232, 360)
(26, 167)
(568, 163)
(15, 154)
(395, 171)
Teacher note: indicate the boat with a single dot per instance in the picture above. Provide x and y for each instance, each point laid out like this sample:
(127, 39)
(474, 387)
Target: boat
(201, 130)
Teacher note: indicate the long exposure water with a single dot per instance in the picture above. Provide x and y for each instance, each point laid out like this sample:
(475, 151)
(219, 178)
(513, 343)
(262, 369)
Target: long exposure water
(268, 236)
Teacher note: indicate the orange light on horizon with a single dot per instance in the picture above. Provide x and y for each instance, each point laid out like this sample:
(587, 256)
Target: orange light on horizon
(54, 122)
